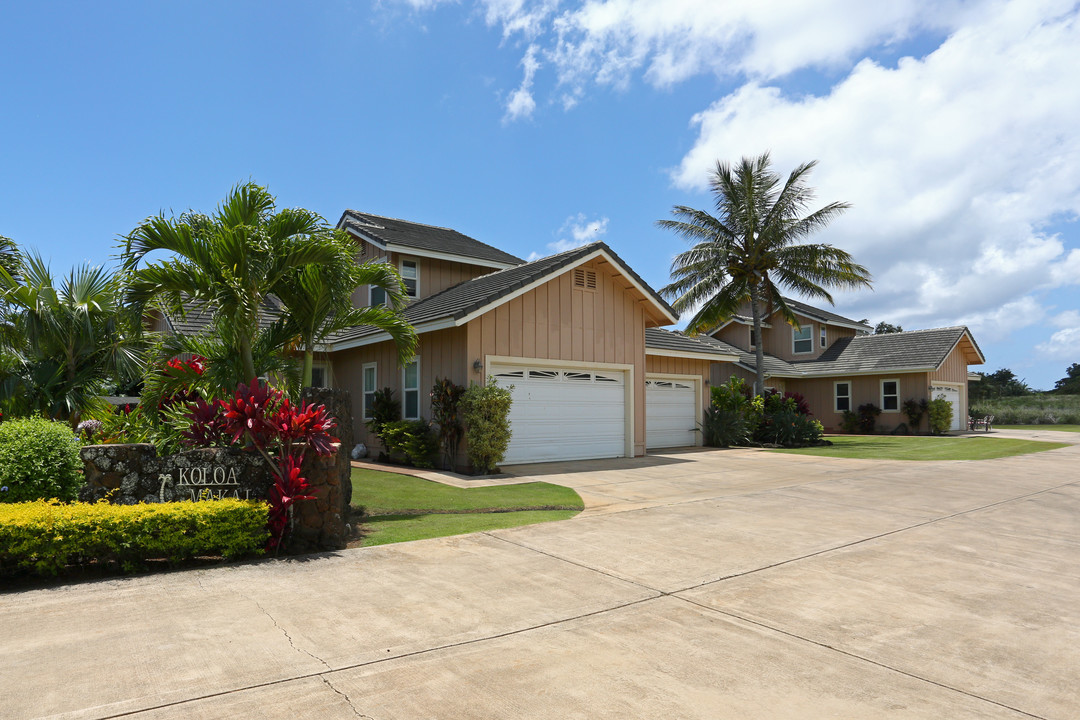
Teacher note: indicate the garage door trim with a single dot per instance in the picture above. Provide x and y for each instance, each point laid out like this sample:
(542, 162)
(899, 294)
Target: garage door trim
(628, 383)
(696, 381)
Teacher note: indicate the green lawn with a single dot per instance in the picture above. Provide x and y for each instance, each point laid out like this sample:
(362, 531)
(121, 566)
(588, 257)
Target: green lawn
(1057, 428)
(925, 448)
(400, 507)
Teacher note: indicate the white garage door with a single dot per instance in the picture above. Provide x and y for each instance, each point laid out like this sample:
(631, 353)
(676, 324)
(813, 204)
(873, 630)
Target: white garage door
(952, 394)
(670, 413)
(564, 414)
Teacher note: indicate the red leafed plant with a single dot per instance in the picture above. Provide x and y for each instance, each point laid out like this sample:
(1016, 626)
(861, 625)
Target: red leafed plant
(182, 373)
(260, 417)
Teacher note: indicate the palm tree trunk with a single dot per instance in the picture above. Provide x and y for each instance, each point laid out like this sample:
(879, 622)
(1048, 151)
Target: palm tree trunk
(759, 352)
(309, 357)
(247, 360)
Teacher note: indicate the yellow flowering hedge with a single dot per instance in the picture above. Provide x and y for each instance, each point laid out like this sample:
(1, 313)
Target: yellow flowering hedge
(46, 535)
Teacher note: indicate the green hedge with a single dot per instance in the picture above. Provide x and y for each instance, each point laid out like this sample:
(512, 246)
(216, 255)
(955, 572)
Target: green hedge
(46, 536)
(39, 460)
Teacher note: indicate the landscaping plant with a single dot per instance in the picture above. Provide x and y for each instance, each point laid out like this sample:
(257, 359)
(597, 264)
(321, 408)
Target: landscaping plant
(868, 415)
(260, 417)
(486, 412)
(45, 536)
(446, 413)
(410, 441)
(914, 410)
(39, 460)
(721, 427)
(940, 411)
(385, 408)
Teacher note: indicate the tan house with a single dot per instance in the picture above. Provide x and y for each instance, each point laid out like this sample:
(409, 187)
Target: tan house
(575, 334)
(837, 365)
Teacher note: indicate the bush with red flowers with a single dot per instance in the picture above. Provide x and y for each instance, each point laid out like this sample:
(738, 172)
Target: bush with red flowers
(260, 417)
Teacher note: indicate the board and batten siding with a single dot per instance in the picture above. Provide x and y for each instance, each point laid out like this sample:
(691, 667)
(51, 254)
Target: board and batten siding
(442, 354)
(558, 322)
(954, 371)
(434, 275)
(662, 365)
(819, 394)
(722, 371)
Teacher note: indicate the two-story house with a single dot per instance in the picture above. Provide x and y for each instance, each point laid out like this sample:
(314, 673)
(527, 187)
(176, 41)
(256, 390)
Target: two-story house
(576, 335)
(837, 364)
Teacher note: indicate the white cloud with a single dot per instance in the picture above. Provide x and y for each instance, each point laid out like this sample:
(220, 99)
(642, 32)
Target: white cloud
(1062, 345)
(954, 163)
(1067, 319)
(521, 103)
(581, 231)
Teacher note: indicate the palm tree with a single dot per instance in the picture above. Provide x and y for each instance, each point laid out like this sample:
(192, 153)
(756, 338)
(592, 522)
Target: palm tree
(318, 299)
(750, 250)
(229, 261)
(64, 343)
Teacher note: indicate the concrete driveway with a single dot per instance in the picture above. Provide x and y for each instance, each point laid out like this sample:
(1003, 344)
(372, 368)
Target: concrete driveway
(701, 584)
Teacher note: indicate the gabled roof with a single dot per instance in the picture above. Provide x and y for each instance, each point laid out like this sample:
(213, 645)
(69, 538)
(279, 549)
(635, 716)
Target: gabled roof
(674, 344)
(458, 304)
(809, 311)
(396, 235)
(910, 351)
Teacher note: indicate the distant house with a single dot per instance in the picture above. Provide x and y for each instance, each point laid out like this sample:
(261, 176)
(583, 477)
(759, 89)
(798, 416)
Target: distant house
(838, 365)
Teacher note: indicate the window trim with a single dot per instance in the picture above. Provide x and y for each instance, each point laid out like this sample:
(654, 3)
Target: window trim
(325, 366)
(416, 280)
(363, 388)
(405, 390)
(371, 296)
(823, 336)
(837, 396)
(881, 395)
(809, 329)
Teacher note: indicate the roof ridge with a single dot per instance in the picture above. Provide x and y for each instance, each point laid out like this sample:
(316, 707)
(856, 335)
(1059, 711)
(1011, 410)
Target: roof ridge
(411, 222)
(920, 330)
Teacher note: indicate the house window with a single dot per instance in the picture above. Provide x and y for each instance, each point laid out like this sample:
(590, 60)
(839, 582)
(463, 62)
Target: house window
(802, 340)
(370, 372)
(842, 394)
(890, 395)
(377, 297)
(822, 336)
(410, 389)
(410, 273)
(753, 339)
(320, 376)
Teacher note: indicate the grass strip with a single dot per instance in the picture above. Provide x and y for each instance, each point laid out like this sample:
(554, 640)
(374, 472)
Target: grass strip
(384, 529)
(925, 448)
(1055, 428)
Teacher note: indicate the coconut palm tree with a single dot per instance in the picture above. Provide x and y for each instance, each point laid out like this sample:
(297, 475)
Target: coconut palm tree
(66, 341)
(228, 262)
(318, 299)
(751, 249)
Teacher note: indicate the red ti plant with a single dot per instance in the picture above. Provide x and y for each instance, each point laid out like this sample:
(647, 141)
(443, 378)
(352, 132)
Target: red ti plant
(260, 417)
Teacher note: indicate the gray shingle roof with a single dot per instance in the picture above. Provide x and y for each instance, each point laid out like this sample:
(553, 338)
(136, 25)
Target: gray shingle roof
(197, 316)
(401, 234)
(891, 352)
(810, 311)
(464, 298)
(660, 339)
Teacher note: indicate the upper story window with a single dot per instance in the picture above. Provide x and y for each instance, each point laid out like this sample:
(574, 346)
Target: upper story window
(377, 296)
(753, 339)
(410, 273)
(802, 340)
(822, 336)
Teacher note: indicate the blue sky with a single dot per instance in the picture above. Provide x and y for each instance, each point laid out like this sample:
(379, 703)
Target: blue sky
(950, 126)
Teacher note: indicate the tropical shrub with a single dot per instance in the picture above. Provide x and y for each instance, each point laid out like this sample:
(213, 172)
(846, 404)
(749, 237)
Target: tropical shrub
(849, 422)
(39, 459)
(790, 429)
(486, 412)
(733, 395)
(914, 410)
(412, 441)
(46, 536)
(385, 408)
(446, 413)
(868, 415)
(722, 427)
(260, 417)
(798, 402)
(940, 411)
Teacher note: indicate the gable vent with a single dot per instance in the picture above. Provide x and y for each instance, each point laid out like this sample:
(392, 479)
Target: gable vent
(584, 278)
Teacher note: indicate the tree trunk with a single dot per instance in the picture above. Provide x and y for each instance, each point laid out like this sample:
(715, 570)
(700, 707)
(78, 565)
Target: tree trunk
(309, 358)
(759, 352)
(247, 361)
